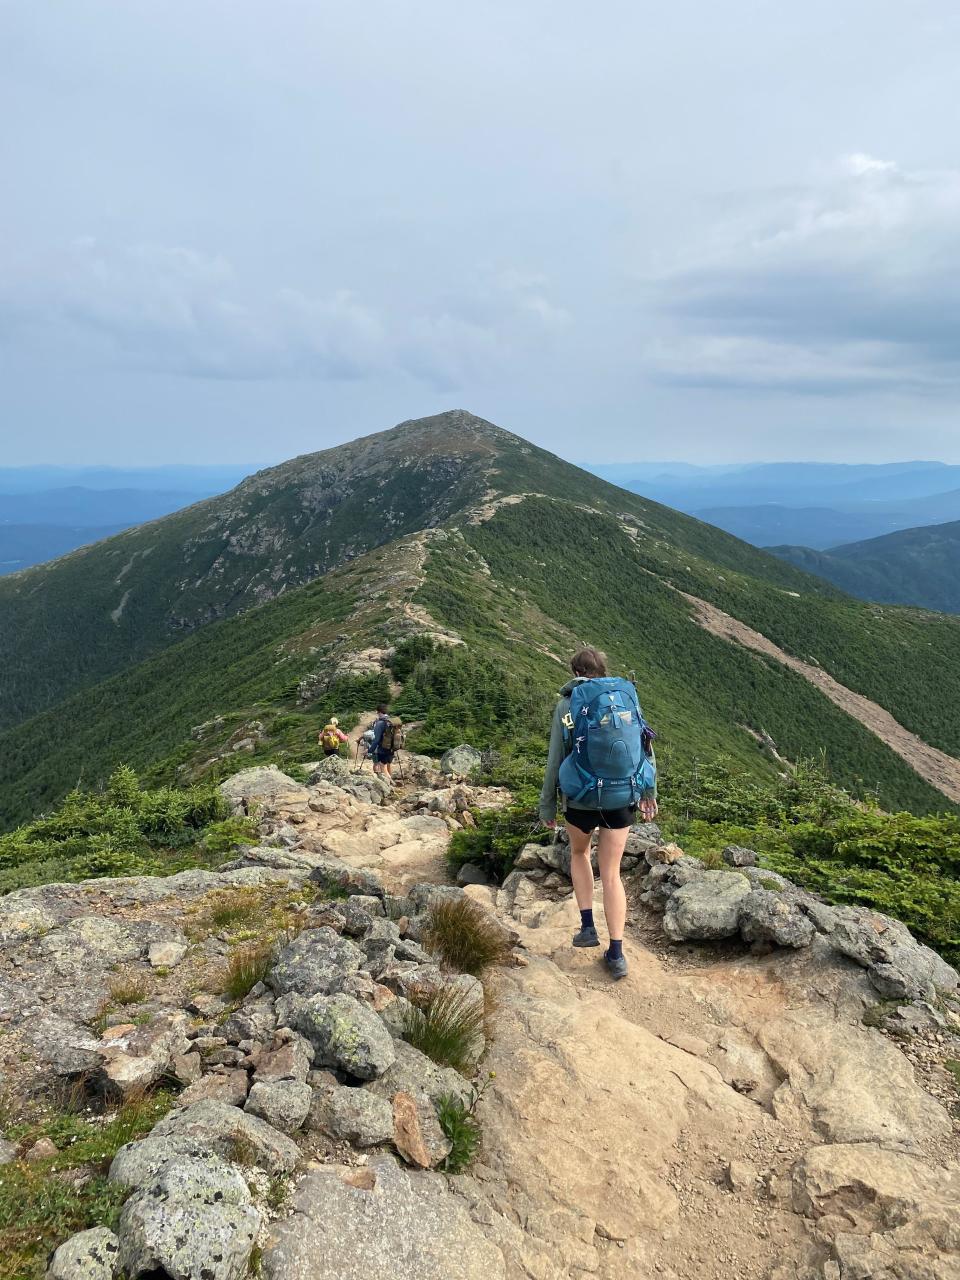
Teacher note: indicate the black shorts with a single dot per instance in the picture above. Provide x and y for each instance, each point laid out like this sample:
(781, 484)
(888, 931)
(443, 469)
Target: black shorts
(589, 819)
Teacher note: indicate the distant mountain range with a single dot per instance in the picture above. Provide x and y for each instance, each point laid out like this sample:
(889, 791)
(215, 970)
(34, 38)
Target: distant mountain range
(48, 511)
(812, 504)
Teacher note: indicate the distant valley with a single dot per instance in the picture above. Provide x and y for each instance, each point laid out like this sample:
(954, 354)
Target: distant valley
(46, 512)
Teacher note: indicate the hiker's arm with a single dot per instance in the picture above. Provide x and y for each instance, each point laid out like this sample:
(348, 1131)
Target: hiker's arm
(648, 801)
(378, 732)
(342, 736)
(548, 795)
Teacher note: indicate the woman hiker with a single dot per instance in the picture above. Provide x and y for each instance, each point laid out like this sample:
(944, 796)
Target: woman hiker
(331, 735)
(601, 760)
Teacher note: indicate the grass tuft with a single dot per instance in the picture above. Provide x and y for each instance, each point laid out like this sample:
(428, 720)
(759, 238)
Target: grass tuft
(464, 936)
(448, 1028)
(462, 1130)
(245, 968)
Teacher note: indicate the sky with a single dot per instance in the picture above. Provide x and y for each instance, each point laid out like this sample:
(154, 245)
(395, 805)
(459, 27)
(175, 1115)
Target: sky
(239, 230)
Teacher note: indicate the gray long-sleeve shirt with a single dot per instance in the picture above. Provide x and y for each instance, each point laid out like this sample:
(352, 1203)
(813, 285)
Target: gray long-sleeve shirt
(557, 753)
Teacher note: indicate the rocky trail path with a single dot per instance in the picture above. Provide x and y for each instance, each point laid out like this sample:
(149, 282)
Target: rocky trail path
(658, 1128)
(720, 1113)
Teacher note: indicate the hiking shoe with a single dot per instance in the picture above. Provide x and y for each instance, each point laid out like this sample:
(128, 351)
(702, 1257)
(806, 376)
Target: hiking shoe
(616, 964)
(587, 937)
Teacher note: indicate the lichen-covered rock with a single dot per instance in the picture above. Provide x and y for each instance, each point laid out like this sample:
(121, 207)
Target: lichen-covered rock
(461, 761)
(137, 1164)
(355, 1115)
(284, 1104)
(195, 1222)
(90, 1255)
(223, 1130)
(8, 1151)
(765, 917)
(314, 963)
(345, 1034)
(413, 1072)
(706, 908)
(898, 966)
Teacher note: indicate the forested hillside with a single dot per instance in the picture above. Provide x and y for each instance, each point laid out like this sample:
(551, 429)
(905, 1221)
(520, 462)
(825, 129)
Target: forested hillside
(913, 567)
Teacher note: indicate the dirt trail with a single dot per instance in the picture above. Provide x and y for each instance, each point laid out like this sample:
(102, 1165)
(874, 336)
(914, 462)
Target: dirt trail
(934, 766)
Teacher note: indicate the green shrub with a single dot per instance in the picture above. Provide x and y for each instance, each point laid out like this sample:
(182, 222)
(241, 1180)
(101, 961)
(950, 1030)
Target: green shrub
(464, 936)
(122, 830)
(227, 834)
(462, 1130)
(497, 838)
(448, 1028)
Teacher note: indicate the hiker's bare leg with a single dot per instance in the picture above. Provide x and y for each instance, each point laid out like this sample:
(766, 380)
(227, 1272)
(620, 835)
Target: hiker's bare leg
(610, 846)
(581, 872)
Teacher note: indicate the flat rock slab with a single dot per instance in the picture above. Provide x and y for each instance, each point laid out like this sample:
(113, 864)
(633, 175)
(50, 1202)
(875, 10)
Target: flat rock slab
(378, 1222)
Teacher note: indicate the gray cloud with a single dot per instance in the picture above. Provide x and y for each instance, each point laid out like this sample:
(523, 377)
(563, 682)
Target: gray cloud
(247, 230)
(851, 286)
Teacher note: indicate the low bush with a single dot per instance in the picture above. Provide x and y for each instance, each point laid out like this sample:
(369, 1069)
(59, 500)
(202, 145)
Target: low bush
(122, 830)
(464, 936)
(448, 1028)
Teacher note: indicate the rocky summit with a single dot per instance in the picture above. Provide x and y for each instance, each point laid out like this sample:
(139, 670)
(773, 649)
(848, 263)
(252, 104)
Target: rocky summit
(766, 1096)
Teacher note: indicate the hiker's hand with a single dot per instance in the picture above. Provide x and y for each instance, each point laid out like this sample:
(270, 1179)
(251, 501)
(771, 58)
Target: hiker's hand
(648, 810)
(551, 825)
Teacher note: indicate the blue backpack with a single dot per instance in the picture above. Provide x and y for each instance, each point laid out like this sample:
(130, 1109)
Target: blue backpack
(608, 764)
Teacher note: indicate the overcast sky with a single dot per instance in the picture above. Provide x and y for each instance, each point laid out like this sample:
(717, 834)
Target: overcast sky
(244, 229)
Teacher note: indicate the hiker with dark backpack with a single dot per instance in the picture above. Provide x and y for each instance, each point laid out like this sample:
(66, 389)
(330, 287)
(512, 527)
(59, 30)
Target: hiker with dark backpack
(601, 760)
(388, 739)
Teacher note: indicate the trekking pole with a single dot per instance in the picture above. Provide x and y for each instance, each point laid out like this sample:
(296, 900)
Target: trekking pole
(357, 761)
(400, 767)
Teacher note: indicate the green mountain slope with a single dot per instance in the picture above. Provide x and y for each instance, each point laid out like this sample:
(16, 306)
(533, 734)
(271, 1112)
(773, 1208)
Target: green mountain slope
(913, 567)
(521, 582)
(70, 624)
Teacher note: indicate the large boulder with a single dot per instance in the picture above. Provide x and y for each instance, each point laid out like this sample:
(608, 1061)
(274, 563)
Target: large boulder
(89, 1255)
(899, 967)
(195, 1222)
(285, 1104)
(345, 1034)
(379, 1223)
(262, 784)
(461, 761)
(314, 962)
(706, 908)
(225, 1130)
(767, 918)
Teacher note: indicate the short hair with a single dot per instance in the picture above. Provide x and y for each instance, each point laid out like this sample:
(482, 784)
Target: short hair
(589, 662)
(382, 708)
